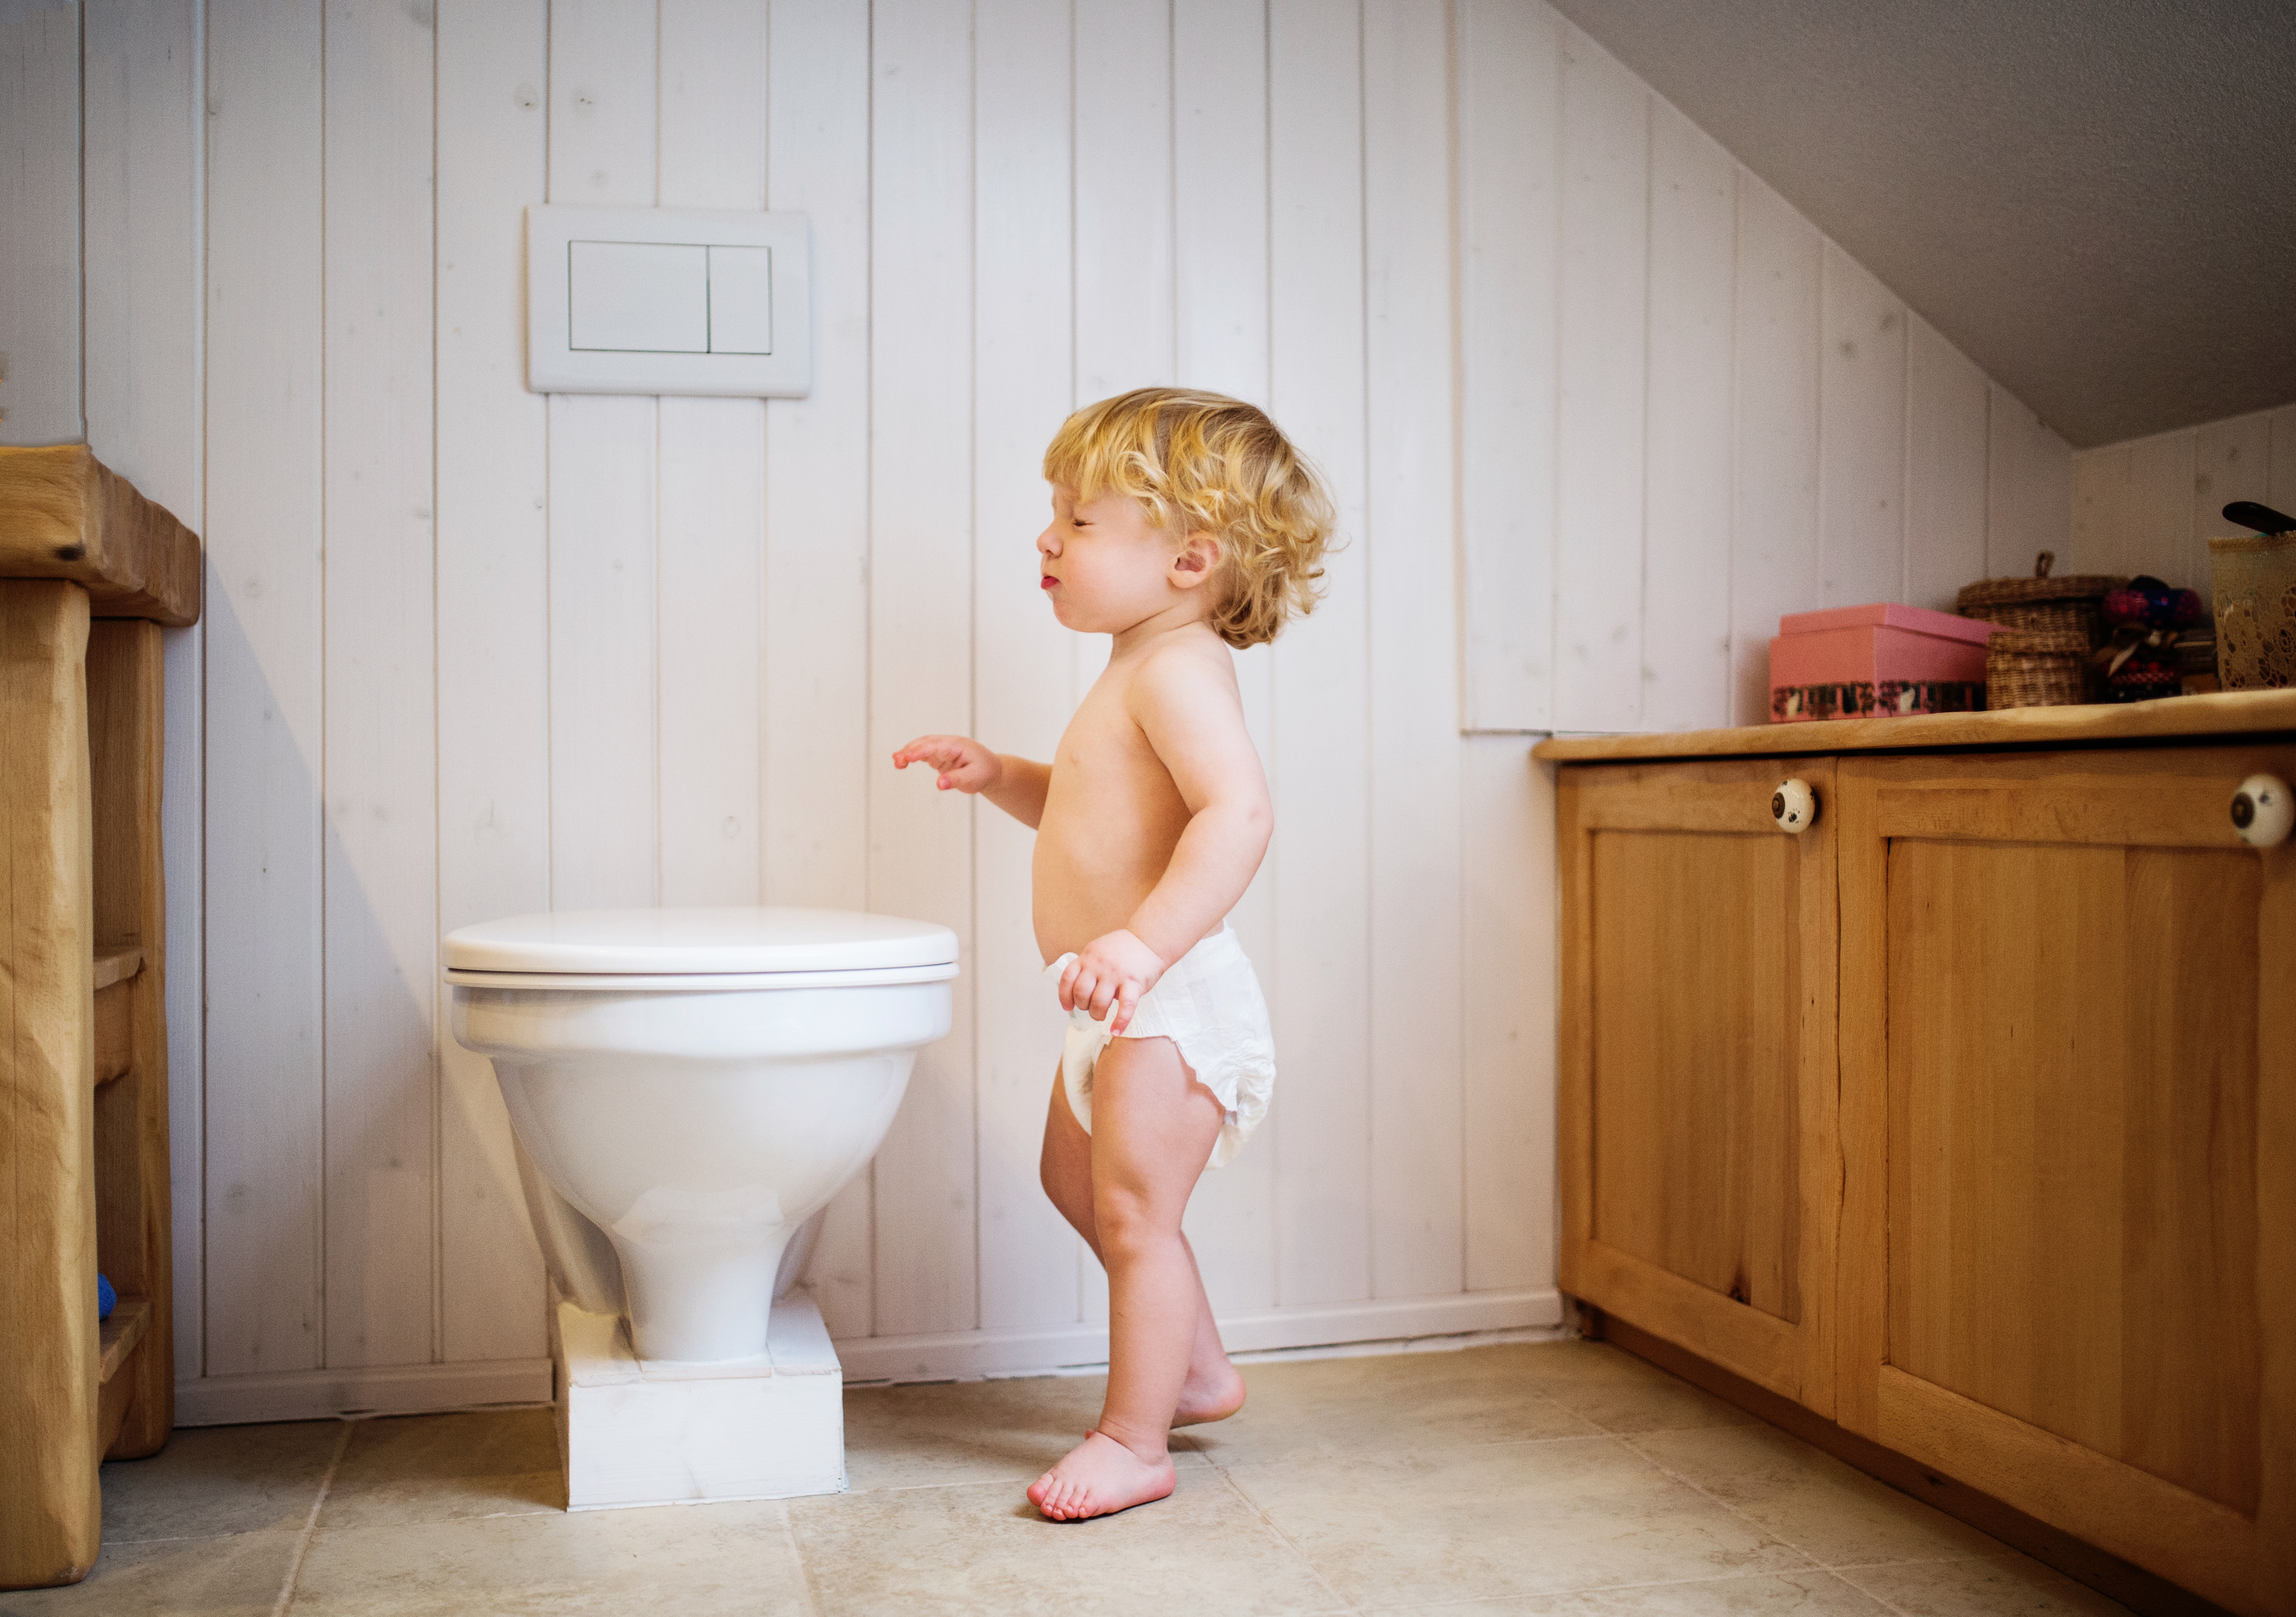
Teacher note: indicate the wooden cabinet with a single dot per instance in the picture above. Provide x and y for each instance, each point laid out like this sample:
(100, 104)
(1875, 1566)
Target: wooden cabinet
(2064, 1155)
(1698, 1070)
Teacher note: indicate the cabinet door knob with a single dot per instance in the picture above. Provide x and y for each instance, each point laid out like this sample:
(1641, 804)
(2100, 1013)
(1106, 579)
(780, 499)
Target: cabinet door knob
(2263, 811)
(1793, 805)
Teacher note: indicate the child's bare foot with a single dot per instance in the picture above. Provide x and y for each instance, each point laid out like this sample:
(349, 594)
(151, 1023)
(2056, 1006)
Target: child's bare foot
(1099, 1477)
(1212, 1396)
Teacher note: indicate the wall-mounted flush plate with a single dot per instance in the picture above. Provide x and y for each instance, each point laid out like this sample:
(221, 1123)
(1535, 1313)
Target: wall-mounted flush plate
(668, 300)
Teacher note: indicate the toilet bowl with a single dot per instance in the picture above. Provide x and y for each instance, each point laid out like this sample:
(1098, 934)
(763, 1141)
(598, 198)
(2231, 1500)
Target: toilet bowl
(689, 1087)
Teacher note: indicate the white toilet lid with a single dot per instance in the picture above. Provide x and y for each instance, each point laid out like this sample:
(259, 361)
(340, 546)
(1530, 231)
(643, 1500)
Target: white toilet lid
(702, 942)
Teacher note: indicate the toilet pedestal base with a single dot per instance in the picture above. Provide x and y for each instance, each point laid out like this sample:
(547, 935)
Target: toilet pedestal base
(643, 1432)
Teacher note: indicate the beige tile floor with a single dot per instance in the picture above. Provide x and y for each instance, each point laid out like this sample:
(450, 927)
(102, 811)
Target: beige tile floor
(1499, 1482)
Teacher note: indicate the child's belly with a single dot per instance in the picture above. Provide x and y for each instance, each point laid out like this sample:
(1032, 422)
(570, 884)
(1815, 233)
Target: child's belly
(1087, 878)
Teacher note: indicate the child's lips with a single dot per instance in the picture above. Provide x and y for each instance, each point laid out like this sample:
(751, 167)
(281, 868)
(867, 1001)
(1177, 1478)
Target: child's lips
(1047, 582)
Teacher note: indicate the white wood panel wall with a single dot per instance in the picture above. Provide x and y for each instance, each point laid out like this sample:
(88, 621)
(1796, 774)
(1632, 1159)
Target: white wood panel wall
(2151, 505)
(1596, 404)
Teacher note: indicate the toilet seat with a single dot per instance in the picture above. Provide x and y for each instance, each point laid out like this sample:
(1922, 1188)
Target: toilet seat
(699, 950)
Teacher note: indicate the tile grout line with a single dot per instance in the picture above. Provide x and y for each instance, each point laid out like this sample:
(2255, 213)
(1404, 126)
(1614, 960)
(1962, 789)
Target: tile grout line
(1268, 1521)
(1819, 1566)
(310, 1524)
(797, 1553)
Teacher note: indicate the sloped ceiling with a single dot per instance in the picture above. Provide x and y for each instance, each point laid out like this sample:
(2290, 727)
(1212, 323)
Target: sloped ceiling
(2095, 202)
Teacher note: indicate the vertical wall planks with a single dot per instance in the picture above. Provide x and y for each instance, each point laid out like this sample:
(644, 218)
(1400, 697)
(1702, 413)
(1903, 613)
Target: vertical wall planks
(920, 576)
(1774, 564)
(143, 125)
(380, 908)
(2232, 460)
(1123, 109)
(710, 616)
(1509, 136)
(1508, 975)
(2028, 489)
(604, 744)
(2282, 496)
(1319, 988)
(2100, 508)
(1219, 184)
(263, 940)
(1024, 664)
(2156, 534)
(819, 758)
(1861, 484)
(40, 307)
(1686, 446)
(1411, 526)
(494, 630)
(1598, 557)
(1944, 468)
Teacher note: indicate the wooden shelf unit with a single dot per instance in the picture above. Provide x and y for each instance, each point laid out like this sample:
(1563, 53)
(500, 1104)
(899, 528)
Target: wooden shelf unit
(1966, 1119)
(89, 571)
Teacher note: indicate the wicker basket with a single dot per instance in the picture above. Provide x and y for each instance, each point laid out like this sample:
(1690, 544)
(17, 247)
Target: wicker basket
(2043, 603)
(2035, 668)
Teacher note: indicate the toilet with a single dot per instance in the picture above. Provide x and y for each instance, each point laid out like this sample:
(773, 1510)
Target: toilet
(688, 1088)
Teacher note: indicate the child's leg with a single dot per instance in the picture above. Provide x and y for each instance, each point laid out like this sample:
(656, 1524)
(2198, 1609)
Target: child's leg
(1154, 1127)
(1213, 1391)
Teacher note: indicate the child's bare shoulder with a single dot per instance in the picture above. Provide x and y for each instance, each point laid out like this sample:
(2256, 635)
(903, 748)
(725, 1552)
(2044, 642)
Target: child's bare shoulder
(1186, 667)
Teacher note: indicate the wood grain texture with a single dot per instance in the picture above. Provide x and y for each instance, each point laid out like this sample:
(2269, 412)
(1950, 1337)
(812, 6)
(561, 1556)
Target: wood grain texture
(920, 670)
(492, 617)
(1220, 190)
(2061, 1248)
(2226, 713)
(1946, 435)
(379, 770)
(266, 943)
(1602, 382)
(1774, 504)
(818, 759)
(50, 1516)
(1319, 988)
(1417, 1094)
(1700, 1166)
(1687, 449)
(40, 396)
(1510, 155)
(1861, 436)
(1024, 662)
(127, 700)
(65, 514)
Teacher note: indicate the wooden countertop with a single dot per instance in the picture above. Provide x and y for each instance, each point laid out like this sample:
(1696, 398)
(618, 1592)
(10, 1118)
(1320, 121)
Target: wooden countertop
(65, 514)
(2231, 712)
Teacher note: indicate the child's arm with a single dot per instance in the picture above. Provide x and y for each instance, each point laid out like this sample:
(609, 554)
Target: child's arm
(1188, 710)
(1015, 785)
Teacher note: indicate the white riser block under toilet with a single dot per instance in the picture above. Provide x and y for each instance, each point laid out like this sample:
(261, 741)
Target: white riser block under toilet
(641, 1432)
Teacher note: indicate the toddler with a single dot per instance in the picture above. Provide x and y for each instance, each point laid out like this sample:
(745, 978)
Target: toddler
(1183, 524)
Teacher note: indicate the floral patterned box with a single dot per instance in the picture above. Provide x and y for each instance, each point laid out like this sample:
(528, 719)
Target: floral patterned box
(1876, 661)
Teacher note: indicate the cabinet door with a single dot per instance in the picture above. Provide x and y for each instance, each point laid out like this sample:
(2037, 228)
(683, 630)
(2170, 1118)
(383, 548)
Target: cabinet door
(2069, 1116)
(1701, 1175)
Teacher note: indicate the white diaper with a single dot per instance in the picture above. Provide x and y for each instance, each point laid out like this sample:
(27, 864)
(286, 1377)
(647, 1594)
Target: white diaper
(1208, 1005)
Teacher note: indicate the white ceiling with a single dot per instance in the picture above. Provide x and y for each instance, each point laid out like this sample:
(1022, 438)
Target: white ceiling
(2095, 202)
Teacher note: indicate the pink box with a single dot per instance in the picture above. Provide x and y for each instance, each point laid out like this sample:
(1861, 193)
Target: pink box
(1876, 662)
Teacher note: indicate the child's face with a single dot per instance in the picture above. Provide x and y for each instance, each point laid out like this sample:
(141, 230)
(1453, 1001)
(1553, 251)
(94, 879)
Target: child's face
(1106, 568)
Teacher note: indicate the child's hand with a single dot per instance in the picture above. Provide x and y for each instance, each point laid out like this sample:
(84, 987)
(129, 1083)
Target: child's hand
(1113, 970)
(964, 763)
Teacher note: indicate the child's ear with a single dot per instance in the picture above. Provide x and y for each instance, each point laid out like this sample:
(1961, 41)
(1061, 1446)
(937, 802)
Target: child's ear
(1198, 559)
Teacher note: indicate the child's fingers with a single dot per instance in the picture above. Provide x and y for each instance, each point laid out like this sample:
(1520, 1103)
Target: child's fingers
(1127, 1002)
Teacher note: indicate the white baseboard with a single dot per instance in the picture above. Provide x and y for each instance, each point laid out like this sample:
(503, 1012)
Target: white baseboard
(422, 1389)
(407, 1389)
(961, 1355)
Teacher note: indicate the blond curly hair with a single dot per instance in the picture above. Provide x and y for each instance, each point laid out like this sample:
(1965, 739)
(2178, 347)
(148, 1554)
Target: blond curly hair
(1202, 463)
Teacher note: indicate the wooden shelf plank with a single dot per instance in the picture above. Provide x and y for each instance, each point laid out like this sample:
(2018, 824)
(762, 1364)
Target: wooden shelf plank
(2182, 718)
(131, 1317)
(65, 514)
(116, 965)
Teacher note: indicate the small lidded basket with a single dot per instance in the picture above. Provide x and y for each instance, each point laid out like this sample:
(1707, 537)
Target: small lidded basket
(2052, 623)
